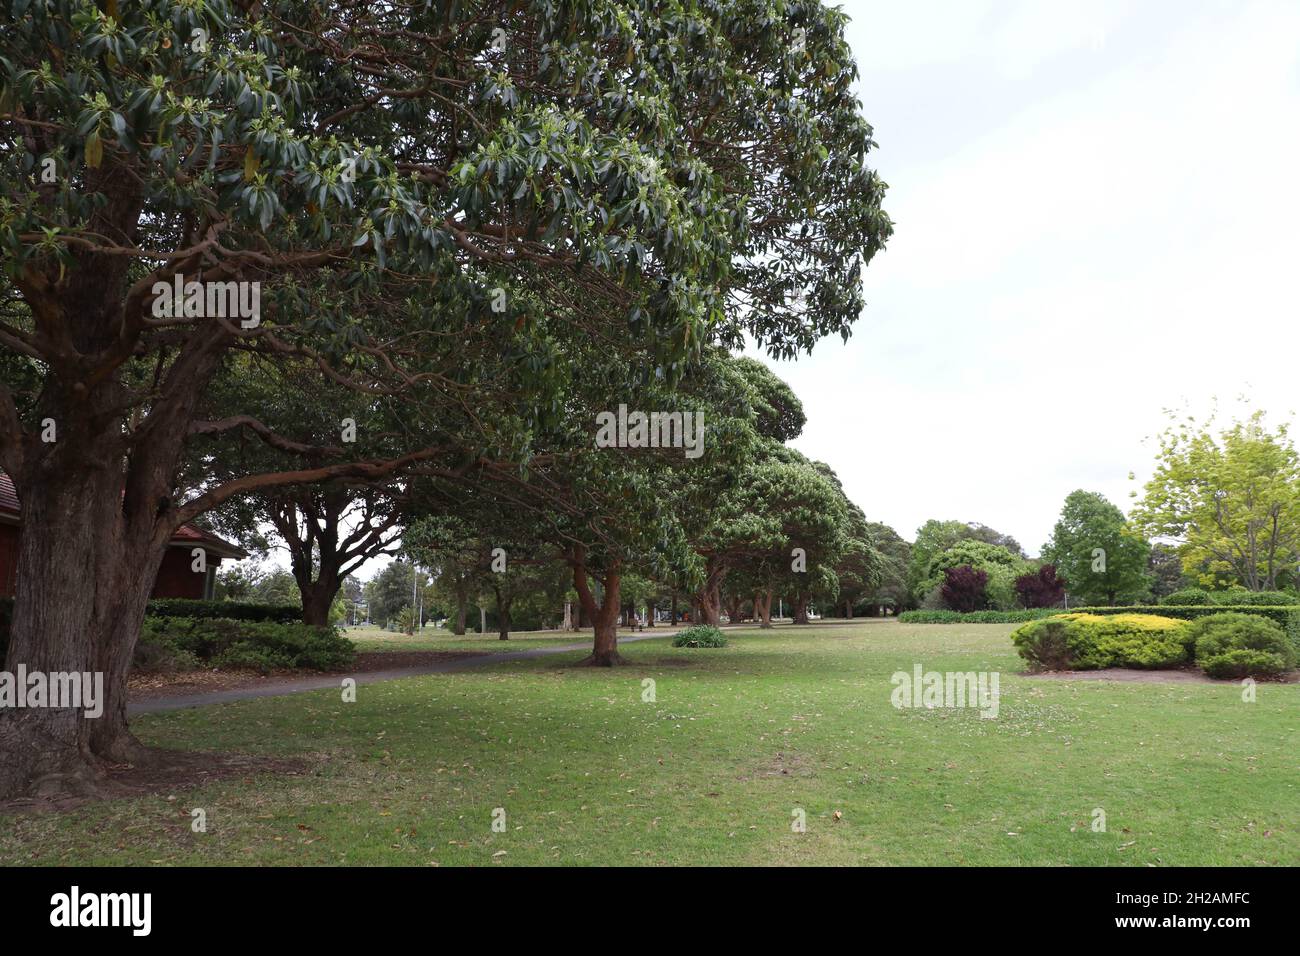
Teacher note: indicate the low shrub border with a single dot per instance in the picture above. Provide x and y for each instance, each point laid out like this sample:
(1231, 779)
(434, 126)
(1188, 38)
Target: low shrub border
(1287, 616)
(229, 610)
(182, 643)
(265, 636)
(1233, 598)
(977, 617)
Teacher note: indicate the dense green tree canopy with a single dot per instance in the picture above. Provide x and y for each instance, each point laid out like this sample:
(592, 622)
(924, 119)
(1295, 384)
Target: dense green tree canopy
(858, 569)
(1102, 558)
(1000, 565)
(936, 536)
(1230, 499)
(895, 556)
(522, 184)
(778, 411)
(781, 529)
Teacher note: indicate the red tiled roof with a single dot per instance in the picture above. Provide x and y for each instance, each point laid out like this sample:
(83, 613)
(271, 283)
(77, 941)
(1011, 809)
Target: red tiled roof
(185, 533)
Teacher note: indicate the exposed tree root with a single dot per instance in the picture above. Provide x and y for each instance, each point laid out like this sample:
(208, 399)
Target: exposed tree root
(608, 659)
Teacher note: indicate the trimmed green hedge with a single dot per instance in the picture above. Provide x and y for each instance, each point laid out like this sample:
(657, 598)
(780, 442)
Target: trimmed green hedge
(228, 610)
(285, 642)
(977, 617)
(1243, 598)
(1238, 597)
(1287, 616)
(181, 643)
(1186, 596)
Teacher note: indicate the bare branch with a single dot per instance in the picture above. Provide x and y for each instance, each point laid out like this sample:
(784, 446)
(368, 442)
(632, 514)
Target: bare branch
(267, 435)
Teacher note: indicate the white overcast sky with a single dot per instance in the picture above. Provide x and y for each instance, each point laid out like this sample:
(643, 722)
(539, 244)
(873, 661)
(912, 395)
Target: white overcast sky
(1097, 211)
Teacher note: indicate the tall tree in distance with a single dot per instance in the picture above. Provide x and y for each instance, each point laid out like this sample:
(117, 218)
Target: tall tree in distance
(895, 556)
(390, 590)
(1166, 570)
(330, 531)
(859, 567)
(1095, 549)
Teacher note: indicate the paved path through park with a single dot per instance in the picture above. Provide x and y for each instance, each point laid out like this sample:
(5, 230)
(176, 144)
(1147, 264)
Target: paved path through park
(281, 688)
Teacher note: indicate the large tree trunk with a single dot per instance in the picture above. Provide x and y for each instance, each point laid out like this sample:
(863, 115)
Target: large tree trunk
(650, 614)
(709, 600)
(710, 608)
(318, 597)
(604, 616)
(96, 501)
(799, 610)
(64, 546)
(94, 535)
(763, 608)
(462, 607)
(110, 738)
(604, 652)
(88, 557)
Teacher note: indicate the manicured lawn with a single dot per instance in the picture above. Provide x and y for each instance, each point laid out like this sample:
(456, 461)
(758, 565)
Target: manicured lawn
(710, 772)
(441, 639)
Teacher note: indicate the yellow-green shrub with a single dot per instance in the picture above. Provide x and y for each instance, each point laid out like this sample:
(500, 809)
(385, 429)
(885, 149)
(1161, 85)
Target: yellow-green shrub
(1093, 641)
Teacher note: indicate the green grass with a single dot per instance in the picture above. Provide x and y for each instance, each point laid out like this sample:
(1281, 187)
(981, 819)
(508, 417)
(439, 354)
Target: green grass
(441, 639)
(710, 773)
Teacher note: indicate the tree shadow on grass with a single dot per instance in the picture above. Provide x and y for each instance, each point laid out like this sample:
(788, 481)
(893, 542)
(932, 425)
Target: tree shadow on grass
(167, 771)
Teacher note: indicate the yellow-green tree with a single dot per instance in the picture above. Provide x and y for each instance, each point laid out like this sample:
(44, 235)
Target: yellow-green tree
(1231, 498)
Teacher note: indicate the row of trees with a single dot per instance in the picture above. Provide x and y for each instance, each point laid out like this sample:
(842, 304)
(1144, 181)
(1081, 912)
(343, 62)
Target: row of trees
(1095, 554)
(471, 227)
(752, 521)
(1221, 512)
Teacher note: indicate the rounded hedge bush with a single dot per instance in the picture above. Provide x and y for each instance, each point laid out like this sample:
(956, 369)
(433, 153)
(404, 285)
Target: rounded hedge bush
(1094, 641)
(1234, 645)
(700, 635)
(1188, 596)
